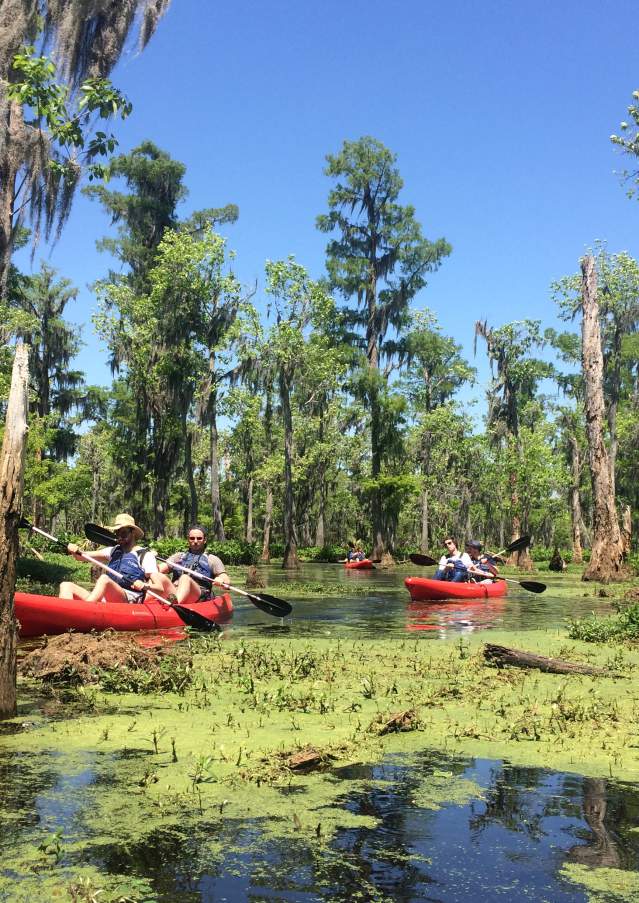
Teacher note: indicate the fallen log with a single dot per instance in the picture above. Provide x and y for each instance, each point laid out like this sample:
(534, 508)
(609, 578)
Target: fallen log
(502, 655)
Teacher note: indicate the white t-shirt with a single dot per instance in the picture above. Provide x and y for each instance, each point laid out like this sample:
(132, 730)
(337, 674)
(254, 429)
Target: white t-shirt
(464, 557)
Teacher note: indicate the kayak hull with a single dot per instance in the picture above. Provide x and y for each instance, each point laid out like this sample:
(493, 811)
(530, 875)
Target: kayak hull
(423, 589)
(39, 615)
(364, 565)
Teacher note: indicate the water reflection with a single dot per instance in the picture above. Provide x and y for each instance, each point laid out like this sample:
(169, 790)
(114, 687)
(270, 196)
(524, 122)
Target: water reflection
(509, 830)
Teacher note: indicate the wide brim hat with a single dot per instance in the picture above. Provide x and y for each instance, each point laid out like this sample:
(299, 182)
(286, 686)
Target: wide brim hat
(125, 520)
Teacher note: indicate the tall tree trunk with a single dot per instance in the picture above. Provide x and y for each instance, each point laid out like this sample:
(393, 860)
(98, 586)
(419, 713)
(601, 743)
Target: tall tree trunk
(268, 518)
(249, 510)
(626, 529)
(193, 513)
(423, 543)
(380, 546)
(216, 505)
(13, 128)
(575, 500)
(11, 488)
(606, 560)
(290, 537)
(268, 505)
(520, 559)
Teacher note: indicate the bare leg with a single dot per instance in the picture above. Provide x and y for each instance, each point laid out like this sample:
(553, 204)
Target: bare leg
(107, 590)
(70, 590)
(187, 590)
(162, 584)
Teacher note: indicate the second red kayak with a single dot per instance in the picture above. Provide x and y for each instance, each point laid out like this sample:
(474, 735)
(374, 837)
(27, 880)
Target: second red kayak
(364, 565)
(423, 589)
(39, 615)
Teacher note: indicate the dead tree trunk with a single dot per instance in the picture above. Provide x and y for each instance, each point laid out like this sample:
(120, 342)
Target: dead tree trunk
(575, 501)
(606, 561)
(11, 486)
(626, 529)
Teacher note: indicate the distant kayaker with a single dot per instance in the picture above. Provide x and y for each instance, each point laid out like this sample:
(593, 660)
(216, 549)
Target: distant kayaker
(355, 552)
(453, 565)
(135, 563)
(482, 568)
(185, 587)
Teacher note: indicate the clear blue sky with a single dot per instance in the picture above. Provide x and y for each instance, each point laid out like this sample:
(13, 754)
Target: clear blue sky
(500, 114)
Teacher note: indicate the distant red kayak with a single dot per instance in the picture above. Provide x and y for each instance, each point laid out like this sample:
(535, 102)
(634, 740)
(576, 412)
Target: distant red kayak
(39, 615)
(423, 589)
(363, 565)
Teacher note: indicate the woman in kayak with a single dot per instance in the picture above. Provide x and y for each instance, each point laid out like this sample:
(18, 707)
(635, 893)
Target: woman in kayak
(355, 552)
(135, 564)
(453, 565)
(482, 568)
(185, 587)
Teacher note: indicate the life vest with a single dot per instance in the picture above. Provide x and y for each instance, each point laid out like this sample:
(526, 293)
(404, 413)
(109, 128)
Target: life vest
(198, 563)
(128, 564)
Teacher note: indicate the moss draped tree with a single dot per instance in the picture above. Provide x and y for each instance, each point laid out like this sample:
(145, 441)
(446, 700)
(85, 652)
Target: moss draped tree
(379, 259)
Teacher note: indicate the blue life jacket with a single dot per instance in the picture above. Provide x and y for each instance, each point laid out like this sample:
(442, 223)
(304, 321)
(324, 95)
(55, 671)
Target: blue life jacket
(128, 564)
(198, 563)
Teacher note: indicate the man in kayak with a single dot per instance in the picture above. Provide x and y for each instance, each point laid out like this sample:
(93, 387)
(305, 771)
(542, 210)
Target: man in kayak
(134, 563)
(453, 565)
(482, 568)
(185, 587)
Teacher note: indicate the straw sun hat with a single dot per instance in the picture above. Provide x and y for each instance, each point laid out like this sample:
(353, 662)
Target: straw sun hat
(125, 520)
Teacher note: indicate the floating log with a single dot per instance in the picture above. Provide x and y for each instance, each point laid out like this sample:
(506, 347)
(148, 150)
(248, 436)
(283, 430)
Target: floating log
(502, 655)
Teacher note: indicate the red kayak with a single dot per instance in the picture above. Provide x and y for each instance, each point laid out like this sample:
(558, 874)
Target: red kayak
(423, 589)
(49, 615)
(363, 565)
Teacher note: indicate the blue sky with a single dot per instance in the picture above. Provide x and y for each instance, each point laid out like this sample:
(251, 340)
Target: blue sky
(499, 112)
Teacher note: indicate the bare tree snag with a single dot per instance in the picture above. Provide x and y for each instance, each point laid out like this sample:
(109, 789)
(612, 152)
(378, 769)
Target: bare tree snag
(606, 560)
(626, 529)
(502, 655)
(11, 486)
(575, 500)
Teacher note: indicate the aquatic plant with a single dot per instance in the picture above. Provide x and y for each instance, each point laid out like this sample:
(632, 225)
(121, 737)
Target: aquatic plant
(622, 626)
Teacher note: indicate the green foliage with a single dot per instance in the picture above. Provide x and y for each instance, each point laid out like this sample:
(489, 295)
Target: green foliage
(325, 553)
(174, 674)
(231, 551)
(623, 626)
(68, 125)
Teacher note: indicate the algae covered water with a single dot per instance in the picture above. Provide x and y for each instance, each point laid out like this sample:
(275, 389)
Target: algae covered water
(439, 777)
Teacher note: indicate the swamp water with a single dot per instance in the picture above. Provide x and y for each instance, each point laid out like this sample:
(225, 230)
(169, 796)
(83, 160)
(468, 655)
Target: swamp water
(186, 798)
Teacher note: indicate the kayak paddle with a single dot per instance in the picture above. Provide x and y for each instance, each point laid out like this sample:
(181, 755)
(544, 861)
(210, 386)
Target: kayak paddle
(191, 618)
(516, 546)
(531, 585)
(278, 608)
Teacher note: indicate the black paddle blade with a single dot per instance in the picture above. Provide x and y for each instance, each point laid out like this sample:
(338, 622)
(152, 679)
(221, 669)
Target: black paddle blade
(24, 524)
(518, 544)
(532, 586)
(102, 536)
(193, 619)
(423, 560)
(271, 604)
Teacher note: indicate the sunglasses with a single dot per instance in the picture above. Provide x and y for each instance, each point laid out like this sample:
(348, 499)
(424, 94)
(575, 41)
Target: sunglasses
(196, 539)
